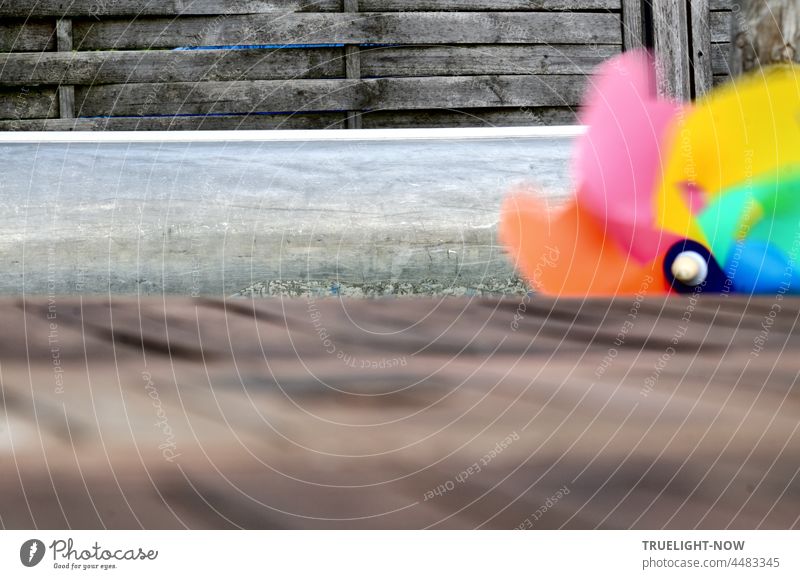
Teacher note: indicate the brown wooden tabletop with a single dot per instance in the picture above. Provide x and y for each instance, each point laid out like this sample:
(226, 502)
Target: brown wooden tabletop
(400, 413)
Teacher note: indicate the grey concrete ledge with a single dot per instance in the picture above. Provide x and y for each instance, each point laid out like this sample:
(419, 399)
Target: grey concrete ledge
(219, 218)
(513, 285)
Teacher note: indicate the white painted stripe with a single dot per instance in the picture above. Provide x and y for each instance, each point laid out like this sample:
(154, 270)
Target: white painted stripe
(298, 136)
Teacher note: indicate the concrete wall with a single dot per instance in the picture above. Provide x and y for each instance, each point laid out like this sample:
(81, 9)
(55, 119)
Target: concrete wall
(297, 216)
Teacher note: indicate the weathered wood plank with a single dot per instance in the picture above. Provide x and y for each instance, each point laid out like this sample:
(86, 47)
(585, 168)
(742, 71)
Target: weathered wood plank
(489, 117)
(147, 99)
(483, 117)
(95, 9)
(64, 35)
(720, 79)
(134, 66)
(670, 29)
(352, 56)
(487, 5)
(633, 24)
(112, 66)
(101, 9)
(28, 103)
(701, 46)
(720, 61)
(31, 36)
(361, 28)
(720, 26)
(66, 92)
(214, 123)
(484, 59)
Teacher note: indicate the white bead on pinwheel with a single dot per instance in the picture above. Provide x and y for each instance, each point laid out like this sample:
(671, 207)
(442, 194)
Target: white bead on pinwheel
(690, 268)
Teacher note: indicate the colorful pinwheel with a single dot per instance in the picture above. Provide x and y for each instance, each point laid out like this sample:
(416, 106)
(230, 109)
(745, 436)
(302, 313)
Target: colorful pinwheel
(702, 196)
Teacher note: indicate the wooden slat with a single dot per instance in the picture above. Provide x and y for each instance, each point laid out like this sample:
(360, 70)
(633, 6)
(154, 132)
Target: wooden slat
(720, 5)
(361, 28)
(720, 63)
(488, 117)
(720, 25)
(487, 5)
(28, 103)
(101, 9)
(29, 36)
(61, 8)
(352, 56)
(483, 117)
(104, 67)
(701, 46)
(670, 29)
(633, 24)
(325, 95)
(66, 92)
(109, 67)
(720, 79)
(222, 122)
(484, 59)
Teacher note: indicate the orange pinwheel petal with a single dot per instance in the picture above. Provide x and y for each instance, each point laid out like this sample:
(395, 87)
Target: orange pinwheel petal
(567, 253)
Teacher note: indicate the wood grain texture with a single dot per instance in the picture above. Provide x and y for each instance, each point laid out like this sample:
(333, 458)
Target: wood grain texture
(26, 36)
(701, 47)
(134, 66)
(475, 5)
(147, 99)
(484, 59)
(352, 57)
(95, 9)
(720, 26)
(720, 58)
(17, 104)
(633, 24)
(361, 28)
(437, 118)
(66, 92)
(199, 123)
(210, 414)
(671, 34)
(116, 45)
(483, 117)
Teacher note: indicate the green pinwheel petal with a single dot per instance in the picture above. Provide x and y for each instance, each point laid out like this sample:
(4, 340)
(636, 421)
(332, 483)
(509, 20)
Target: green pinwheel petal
(767, 209)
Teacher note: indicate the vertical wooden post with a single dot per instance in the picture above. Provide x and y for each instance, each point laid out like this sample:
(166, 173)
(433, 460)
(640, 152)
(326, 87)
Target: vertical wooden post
(352, 63)
(701, 46)
(633, 34)
(66, 93)
(671, 35)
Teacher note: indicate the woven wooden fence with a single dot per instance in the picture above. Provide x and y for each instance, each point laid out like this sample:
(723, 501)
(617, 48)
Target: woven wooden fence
(213, 64)
(298, 64)
(692, 42)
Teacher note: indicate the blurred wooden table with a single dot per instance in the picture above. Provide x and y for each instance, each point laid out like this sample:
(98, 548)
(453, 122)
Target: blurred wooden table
(400, 413)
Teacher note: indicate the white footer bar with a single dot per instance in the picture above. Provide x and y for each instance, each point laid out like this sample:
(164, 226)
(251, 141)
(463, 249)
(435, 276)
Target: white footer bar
(401, 554)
